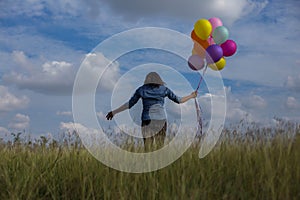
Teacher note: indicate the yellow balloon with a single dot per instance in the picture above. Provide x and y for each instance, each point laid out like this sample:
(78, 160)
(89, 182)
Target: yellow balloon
(218, 65)
(203, 28)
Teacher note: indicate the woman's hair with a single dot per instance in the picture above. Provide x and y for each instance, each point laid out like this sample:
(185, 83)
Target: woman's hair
(153, 78)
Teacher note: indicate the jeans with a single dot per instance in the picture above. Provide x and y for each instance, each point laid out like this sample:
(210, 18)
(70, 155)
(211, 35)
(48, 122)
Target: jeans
(154, 134)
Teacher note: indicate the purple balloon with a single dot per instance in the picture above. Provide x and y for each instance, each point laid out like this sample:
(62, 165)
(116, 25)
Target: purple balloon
(213, 53)
(196, 62)
(229, 48)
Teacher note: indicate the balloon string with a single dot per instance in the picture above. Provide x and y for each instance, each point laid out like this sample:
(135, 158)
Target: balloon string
(200, 81)
(198, 108)
(199, 118)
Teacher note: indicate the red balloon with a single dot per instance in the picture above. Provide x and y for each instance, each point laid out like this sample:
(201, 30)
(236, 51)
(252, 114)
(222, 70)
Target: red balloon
(195, 62)
(229, 48)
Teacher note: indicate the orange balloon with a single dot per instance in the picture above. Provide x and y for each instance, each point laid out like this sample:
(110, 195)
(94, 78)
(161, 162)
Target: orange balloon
(194, 52)
(203, 43)
(198, 49)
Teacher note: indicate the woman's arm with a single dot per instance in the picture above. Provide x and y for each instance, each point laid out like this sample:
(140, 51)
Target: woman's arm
(133, 100)
(188, 97)
(111, 114)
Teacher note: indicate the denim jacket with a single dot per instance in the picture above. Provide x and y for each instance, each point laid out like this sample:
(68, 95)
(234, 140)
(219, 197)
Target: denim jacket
(153, 98)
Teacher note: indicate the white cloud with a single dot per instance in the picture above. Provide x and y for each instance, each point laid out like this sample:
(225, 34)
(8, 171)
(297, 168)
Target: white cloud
(293, 82)
(54, 77)
(9, 102)
(97, 67)
(21, 59)
(292, 103)
(25, 7)
(64, 113)
(255, 102)
(3, 132)
(79, 128)
(229, 11)
(57, 77)
(101, 115)
(36, 8)
(20, 122)
(235, 110)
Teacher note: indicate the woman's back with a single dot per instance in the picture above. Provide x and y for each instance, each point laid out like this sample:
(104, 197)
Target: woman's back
(153, 96)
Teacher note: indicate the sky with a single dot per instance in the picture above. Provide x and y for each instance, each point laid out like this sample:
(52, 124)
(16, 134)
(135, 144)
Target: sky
(43, 43)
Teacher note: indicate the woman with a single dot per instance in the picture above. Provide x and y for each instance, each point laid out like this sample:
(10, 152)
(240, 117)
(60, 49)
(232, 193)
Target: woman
(154, 123)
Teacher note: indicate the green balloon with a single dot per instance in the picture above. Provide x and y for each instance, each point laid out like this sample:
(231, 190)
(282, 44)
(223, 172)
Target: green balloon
(220, 34)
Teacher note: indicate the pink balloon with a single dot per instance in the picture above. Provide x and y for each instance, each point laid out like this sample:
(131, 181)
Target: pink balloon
(215, 22)
(195, 62)
(211, 41)
(229, 48)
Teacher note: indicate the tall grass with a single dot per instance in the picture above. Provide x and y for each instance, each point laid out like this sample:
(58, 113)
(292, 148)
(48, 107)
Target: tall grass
(237, 168)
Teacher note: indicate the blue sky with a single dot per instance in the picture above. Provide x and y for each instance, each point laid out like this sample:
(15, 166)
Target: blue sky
(42, 45)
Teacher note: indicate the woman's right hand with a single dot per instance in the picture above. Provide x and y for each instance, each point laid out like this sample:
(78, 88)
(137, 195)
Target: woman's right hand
(109, 115)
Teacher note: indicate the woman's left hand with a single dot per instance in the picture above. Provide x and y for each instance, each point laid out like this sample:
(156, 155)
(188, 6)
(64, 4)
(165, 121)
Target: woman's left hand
(194, 94)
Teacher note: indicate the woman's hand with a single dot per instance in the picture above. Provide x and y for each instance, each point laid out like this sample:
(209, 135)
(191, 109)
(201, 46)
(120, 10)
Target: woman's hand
(109, 115)
(194, 94)
(186, 98)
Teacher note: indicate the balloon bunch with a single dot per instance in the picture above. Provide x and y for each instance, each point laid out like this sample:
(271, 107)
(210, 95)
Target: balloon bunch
(211, 45)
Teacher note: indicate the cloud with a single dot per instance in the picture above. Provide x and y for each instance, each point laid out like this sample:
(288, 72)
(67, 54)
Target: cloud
(29, 8)
(235, 110)
(21, 59)
(101, 115)
(36, 8)
(20, 122)
(229, 11)
(64, 113)
(254, 101)
(292, 103)
(97, 67)
(3, 132)
(79, 128)
(54, 77)
(57, 77)
(9, 102)
(293, 83)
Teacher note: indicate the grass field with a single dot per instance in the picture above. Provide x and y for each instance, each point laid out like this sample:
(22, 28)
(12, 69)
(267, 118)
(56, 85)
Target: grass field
(247, 167)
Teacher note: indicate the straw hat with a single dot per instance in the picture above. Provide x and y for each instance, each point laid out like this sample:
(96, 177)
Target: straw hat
(153, 78)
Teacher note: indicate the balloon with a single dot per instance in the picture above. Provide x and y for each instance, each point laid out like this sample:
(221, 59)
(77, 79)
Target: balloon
(215, 22)
(199, 50)
(211, 41)
(203, 28)
(229, 48)
(195, 62)
(218, 65)
(220, 34)
(213, 53)
(203, 43)
(194, 52)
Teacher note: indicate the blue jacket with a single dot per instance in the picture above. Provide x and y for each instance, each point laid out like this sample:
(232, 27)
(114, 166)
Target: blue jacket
(153, 100)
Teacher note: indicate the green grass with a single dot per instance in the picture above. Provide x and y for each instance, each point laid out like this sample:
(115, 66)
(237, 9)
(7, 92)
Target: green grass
(235, 169)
